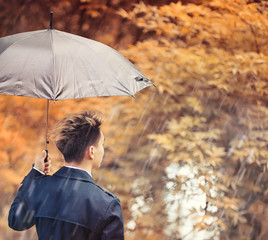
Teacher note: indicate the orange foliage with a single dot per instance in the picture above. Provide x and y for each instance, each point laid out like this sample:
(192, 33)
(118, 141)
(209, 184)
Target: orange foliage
(209, 111)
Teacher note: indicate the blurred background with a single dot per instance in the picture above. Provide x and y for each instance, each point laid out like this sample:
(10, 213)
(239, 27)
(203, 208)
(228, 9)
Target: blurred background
(187, 159)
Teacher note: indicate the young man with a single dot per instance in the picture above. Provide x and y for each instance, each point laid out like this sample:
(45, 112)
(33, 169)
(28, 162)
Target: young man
(69, 205)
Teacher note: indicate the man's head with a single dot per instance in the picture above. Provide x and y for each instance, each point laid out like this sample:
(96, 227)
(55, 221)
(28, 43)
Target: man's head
(75, 133)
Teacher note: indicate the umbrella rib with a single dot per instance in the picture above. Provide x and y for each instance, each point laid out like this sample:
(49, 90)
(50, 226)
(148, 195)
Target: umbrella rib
(76, 83)
(53, 64)
(35, 85)
(96, 92)
(94, 89)
(34, 33)
(126, 89)
(130, 92)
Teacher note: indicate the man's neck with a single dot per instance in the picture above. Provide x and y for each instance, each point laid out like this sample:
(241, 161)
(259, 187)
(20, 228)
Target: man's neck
(80, 166)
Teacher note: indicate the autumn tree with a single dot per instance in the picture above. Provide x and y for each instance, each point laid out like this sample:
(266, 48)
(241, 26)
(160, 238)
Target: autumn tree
(23, 119)
(209, 62)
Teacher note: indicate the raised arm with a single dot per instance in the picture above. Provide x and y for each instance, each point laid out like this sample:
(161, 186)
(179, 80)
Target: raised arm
(21, 217)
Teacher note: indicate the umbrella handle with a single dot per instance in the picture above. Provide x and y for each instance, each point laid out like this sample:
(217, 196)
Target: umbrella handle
(45, 160)
(47, 142)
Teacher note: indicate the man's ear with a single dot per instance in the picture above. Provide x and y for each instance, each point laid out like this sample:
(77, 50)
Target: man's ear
(90, 152)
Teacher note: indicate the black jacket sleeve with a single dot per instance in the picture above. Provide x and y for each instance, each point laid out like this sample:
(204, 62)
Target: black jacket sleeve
(20, 216)
(113, 224)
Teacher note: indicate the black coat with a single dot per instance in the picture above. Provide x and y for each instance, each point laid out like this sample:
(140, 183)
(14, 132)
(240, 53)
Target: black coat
(66, 205)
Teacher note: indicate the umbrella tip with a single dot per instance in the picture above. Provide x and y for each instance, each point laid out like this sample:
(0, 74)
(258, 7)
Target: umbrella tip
(51, 20)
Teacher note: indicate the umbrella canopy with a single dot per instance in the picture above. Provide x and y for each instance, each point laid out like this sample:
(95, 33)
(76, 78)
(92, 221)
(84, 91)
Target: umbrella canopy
(56, 65)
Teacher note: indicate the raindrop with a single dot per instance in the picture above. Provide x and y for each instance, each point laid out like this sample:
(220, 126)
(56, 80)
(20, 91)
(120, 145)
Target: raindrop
(259, 179)
(165, 100)
(31, 188)
(242, 175)
(75, 229)
(250, 156)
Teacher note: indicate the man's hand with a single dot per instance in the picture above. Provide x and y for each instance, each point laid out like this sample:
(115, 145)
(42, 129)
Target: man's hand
(41, 165)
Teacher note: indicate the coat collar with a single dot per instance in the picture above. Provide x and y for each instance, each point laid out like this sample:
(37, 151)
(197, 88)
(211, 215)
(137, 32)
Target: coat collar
(73, 173)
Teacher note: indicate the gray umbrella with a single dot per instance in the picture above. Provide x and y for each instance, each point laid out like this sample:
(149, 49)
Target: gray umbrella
(56, 65)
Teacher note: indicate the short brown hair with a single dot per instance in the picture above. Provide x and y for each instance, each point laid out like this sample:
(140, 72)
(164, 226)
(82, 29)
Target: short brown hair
(75, 132)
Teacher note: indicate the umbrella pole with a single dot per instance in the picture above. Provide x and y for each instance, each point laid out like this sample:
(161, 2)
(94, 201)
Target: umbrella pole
(47, 142)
